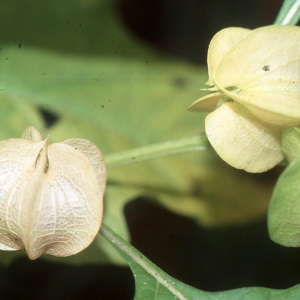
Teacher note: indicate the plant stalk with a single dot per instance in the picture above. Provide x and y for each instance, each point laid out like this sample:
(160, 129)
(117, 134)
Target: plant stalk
(194, 143)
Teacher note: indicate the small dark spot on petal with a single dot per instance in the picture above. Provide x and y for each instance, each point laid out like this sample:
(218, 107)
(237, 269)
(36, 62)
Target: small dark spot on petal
(266, 68)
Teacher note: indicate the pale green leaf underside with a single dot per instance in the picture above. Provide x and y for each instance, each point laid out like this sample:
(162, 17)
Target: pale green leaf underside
(102, 100)
(116, 105)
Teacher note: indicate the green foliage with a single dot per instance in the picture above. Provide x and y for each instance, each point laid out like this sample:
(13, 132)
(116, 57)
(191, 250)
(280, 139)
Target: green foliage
(152, 283)
(291, 143)
(283, 214)
(76, 27)
(15, 116)
(128, 96)
(117, 104)
(289, 13)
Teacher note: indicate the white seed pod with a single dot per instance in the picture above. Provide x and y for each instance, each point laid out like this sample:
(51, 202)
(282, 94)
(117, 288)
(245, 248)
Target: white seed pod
(258, 70)
(51, 196)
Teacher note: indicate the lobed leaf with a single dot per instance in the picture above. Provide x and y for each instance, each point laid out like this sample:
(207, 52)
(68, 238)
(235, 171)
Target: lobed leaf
(153, 283)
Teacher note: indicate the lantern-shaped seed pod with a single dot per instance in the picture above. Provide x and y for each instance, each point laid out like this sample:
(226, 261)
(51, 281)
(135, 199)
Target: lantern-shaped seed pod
(51, 196)
(255, 79)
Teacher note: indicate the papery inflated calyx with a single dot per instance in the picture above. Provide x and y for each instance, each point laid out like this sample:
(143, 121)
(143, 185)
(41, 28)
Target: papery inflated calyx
(258, 72)
(263, 67)
(51, 196)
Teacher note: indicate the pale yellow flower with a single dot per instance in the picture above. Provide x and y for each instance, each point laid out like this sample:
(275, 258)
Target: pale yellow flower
(255, 79)
(51, 196)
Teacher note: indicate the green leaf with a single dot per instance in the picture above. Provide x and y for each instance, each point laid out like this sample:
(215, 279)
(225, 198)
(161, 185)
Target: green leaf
(291, 143)
(122, 104)
(108, 92)
(81, 27)
(15, 116)
(284, 209)
(153, 283)
(289, 13)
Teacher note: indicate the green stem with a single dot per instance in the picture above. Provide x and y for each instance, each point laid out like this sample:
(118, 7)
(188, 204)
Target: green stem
(289, 13)
(193, 143)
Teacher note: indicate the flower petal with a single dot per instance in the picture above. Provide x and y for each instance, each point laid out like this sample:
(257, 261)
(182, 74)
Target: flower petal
(264, 69)
(242, 140)
(220, 45)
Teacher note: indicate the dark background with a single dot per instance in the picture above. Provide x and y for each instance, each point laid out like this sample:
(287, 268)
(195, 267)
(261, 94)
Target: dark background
(184, 28)
(218, 259)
